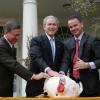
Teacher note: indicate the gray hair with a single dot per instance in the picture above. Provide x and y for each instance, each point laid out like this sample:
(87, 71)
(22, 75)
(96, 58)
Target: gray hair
(50, 17)
(10, 25)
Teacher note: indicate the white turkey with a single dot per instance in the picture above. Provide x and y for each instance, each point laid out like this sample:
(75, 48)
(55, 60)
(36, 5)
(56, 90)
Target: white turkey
(62, 87)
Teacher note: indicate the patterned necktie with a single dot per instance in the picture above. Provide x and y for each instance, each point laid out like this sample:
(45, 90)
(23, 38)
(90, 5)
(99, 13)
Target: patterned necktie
(76, 73)
(52, 47)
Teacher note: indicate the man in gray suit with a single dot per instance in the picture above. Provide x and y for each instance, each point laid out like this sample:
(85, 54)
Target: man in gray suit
(88, 60)
(8, 63)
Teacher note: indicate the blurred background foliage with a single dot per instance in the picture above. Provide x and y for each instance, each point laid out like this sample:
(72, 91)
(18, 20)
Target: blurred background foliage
(87, 9)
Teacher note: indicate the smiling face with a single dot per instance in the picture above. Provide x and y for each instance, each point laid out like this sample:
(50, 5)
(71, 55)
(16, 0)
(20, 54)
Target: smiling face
(75, 26)
(50, 27)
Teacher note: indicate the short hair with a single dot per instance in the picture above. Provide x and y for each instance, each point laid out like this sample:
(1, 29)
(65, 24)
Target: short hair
(10, 25)
(50, 17)
(75, 17)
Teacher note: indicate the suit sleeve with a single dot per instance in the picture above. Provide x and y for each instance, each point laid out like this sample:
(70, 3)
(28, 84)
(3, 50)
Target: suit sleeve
(10, 64)
(96, 51)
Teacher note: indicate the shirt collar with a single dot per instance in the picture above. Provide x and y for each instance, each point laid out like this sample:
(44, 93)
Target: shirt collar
(80, 36)
(49, 37)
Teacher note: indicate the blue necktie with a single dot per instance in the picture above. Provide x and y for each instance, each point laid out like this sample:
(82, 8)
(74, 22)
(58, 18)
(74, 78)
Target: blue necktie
(52, 47)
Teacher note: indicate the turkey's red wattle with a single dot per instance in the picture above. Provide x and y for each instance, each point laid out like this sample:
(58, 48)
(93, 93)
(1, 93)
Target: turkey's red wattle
(60, 87)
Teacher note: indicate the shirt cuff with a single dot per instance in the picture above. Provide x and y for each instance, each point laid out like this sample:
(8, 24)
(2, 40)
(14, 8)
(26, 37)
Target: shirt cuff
(33, 76)
(47, 68)
(92, 65)
(61, 72)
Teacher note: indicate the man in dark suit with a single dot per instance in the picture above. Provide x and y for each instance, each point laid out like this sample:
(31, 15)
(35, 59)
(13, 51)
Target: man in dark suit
(44, 55)
(8, 63)
(88, 61)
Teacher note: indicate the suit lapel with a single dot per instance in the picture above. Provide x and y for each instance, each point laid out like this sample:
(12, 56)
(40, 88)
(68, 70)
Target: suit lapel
(11, 52)
(6, 43)
(57, 46)
(47, 45)
(82, 42)
(72, 47)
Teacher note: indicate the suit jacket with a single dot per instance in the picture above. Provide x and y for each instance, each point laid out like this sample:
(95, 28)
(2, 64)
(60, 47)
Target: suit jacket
(89, 51)
(41, 57)
(9, 66)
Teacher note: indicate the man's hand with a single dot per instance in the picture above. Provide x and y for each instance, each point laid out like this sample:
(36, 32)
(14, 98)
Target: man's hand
(52, 73)
(39, 76)
(80, 64)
